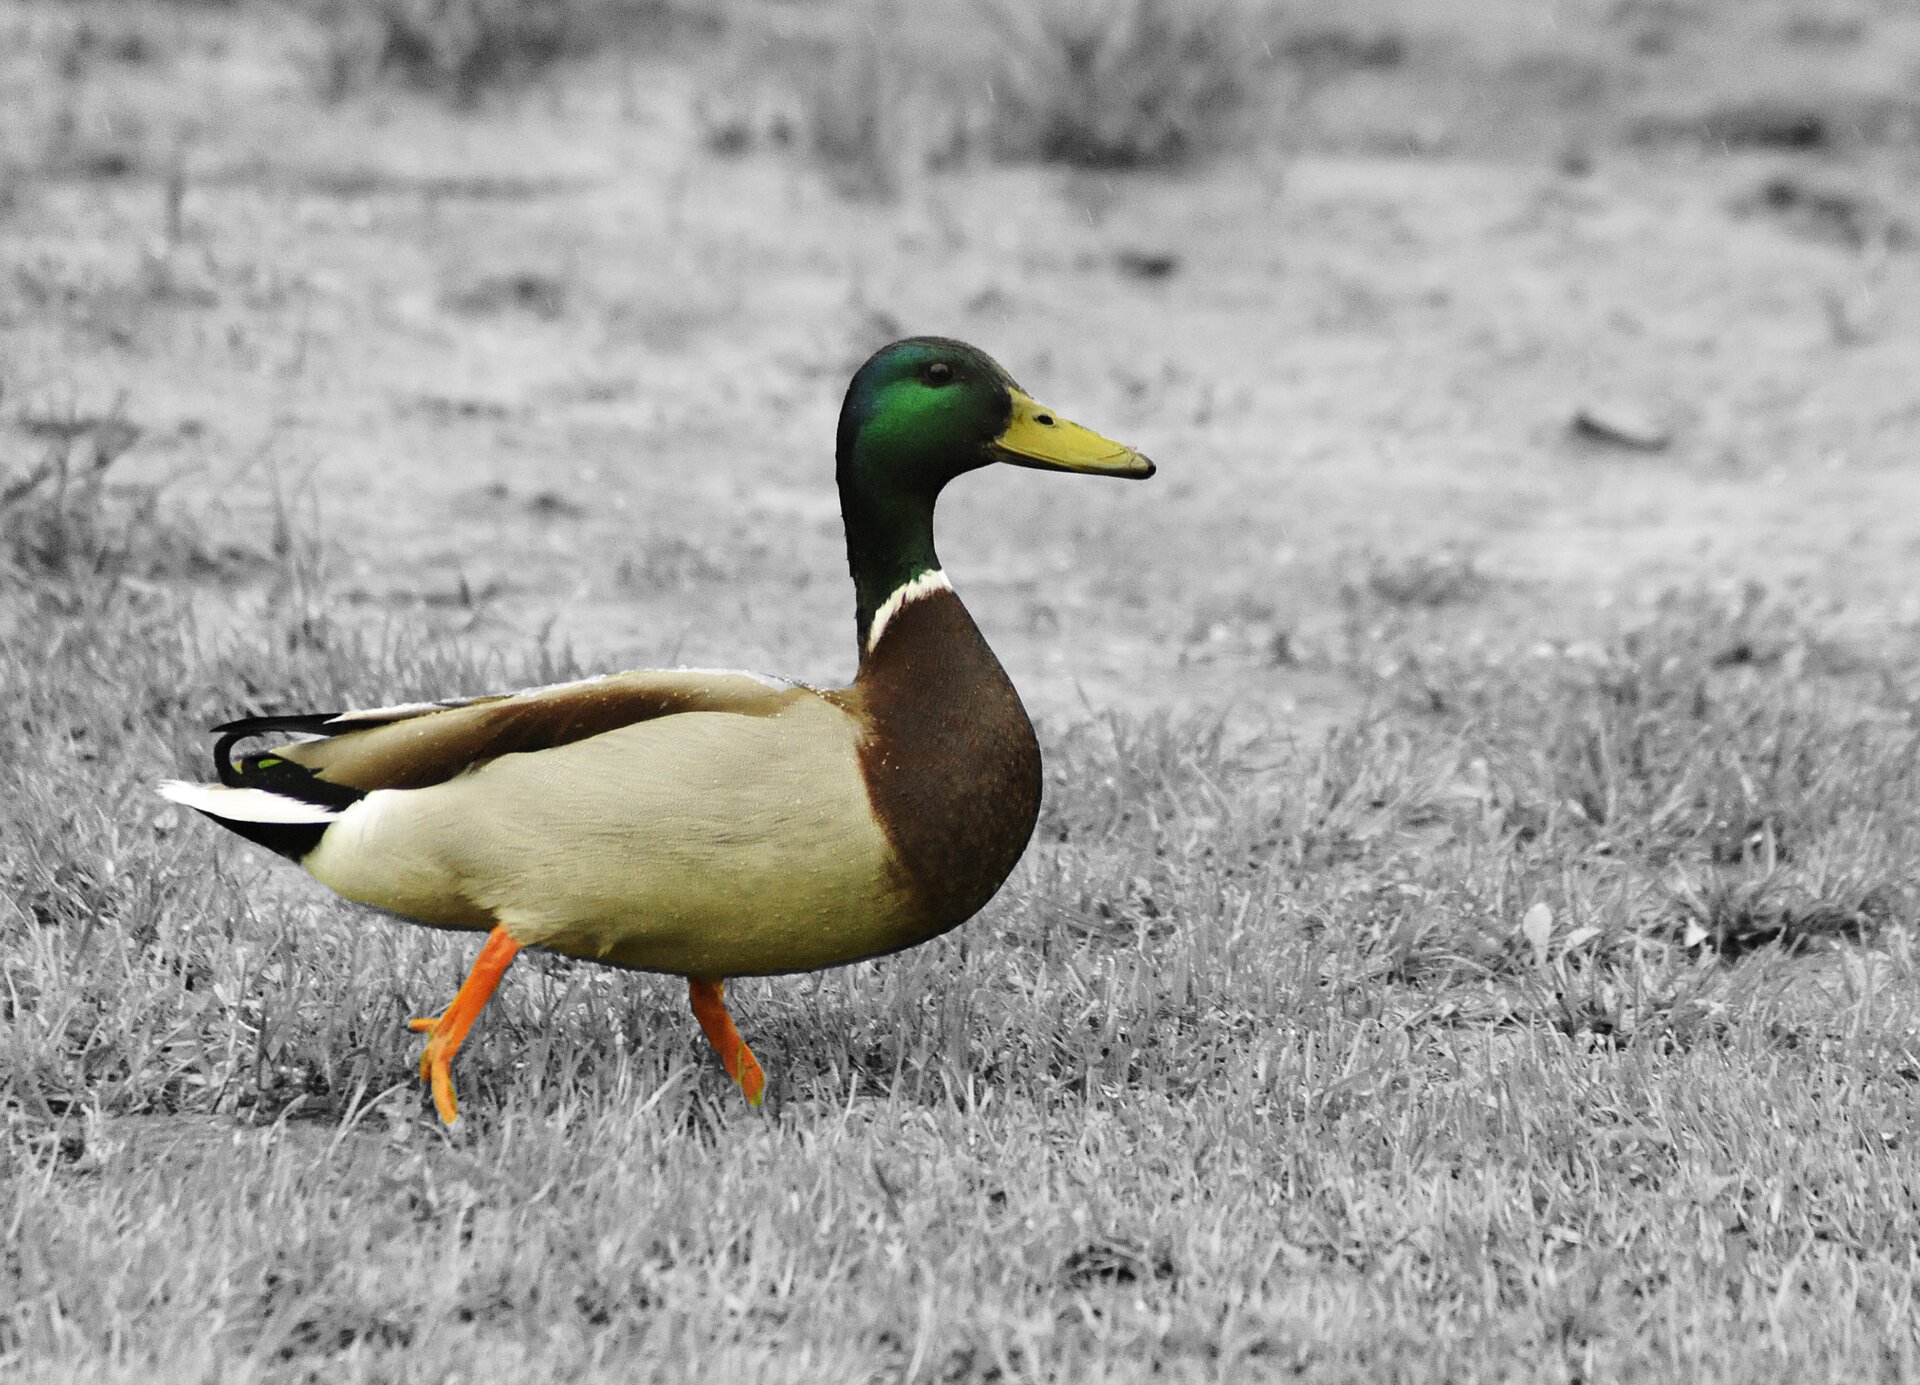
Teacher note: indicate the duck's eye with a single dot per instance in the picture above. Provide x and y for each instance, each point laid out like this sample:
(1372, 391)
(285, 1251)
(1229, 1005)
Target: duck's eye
(939, 373)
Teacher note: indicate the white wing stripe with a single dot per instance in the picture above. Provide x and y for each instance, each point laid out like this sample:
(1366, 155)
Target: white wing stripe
(393, 713)
(244, 805)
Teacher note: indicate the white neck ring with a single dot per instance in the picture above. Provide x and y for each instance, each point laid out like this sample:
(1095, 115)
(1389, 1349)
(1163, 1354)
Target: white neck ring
(932, 580)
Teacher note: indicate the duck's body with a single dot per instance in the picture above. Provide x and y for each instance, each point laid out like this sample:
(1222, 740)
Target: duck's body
(773, 861)
(708, 824)
(702, 823)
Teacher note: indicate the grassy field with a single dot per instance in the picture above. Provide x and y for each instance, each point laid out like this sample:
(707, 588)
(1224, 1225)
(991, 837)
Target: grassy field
(1470, 932)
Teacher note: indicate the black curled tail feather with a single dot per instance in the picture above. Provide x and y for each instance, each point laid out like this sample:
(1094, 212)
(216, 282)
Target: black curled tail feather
(245, 728)
(265, 797)
(274, 774)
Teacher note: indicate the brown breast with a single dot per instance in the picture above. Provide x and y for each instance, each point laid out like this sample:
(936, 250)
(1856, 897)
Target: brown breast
(951, 763)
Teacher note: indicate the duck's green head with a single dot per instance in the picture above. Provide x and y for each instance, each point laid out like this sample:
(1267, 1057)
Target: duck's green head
(927, 409)
(919, 413)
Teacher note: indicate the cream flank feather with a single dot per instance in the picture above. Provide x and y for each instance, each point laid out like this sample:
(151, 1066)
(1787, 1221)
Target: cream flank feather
(746, 847)
(707, 823)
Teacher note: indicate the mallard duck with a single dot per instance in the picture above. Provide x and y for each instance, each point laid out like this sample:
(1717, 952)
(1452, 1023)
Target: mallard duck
(708, 824)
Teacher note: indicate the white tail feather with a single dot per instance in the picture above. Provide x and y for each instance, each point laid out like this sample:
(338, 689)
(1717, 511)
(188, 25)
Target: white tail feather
(243, 805)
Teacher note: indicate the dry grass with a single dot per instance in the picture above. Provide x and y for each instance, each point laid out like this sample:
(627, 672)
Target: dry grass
(1266, 1059)
(468, 50)
(1125, 83)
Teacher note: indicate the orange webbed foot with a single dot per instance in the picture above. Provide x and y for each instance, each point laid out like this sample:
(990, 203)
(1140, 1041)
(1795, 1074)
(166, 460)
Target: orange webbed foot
(446, 1032)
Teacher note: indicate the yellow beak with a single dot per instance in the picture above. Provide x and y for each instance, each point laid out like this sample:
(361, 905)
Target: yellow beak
(1038, 437)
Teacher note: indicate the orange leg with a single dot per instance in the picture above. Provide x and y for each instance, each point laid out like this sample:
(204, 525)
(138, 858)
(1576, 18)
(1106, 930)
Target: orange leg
(710, 1008)
(449, 1031)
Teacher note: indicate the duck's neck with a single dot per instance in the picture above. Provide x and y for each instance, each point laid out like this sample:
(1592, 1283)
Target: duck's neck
(890, 554)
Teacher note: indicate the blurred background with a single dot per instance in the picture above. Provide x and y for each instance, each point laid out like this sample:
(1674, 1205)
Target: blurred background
(1448, 325)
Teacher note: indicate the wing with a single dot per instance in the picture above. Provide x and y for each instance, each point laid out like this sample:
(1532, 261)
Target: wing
(417, 744)
(284, 797)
